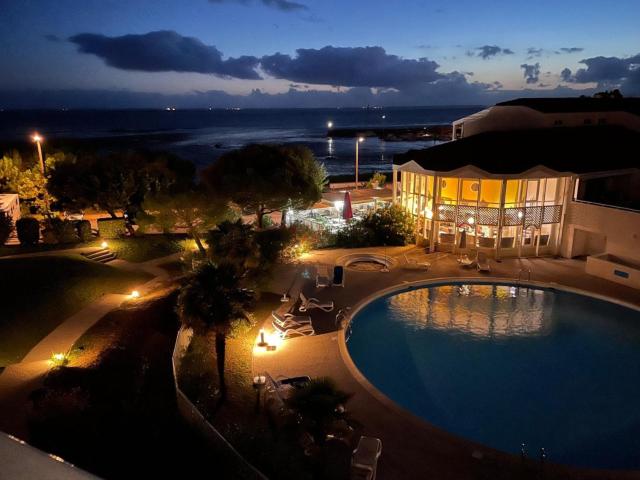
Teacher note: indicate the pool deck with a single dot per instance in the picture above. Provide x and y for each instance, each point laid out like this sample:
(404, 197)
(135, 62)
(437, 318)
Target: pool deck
(413, 448)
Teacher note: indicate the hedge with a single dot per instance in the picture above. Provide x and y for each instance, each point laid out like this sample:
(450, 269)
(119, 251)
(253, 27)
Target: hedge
(6, 227)
(84, 230)
(111, 227)
(28, 229)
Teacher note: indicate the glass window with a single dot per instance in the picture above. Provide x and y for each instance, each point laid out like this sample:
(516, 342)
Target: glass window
(446, 233)
(509, 237)
(490, 191)
(449, 190)
(512, 194)
(470, 190)
(532, 191)
(551, 191)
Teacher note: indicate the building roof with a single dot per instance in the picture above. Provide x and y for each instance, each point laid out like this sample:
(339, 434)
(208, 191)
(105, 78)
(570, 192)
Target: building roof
(577, 104)
(577, 150)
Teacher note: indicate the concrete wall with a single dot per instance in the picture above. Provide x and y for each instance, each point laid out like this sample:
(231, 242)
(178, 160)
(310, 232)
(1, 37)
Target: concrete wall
(620, 228)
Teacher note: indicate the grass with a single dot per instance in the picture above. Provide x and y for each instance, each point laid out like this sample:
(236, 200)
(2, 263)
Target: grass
(38, 293)
(112, 409)
(236, 419)
(147, 247)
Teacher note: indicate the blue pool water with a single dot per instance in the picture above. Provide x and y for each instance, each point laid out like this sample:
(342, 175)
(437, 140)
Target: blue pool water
(503, 366)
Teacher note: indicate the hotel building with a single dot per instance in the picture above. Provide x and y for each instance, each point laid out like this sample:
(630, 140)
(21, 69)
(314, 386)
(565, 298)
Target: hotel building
(530, 177)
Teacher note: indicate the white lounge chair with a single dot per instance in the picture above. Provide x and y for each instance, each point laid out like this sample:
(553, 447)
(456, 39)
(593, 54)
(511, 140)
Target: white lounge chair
(289, 331)
(483, 262)
(322, 277)
(311, 303)
(467, 261)
(364, 461)
(415, 263)
(290, 321)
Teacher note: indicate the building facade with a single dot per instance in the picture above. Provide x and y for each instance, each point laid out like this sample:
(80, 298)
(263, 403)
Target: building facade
(513, 192)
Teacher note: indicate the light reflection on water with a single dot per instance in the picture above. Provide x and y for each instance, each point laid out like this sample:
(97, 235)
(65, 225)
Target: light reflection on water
(479, 310)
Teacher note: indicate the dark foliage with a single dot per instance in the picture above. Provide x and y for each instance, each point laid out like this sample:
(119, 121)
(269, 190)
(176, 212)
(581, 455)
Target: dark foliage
(28, 229)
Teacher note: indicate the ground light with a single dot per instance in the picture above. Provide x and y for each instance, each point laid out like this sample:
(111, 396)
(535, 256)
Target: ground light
(134, 294)
(266, 342)
(58, 359)
(104, 245)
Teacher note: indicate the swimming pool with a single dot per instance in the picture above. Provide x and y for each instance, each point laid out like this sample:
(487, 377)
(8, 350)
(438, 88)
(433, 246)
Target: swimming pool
(505, 365)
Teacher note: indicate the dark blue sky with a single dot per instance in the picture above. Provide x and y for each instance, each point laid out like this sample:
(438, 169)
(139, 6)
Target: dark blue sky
(312, 52)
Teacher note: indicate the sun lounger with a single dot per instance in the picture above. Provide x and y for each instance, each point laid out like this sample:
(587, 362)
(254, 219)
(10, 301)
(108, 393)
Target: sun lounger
(483, 262)
(322, 277)
(290, 321)
(466, 260)
(311, 303)
(338, 276)
(364, 461)
(289, 331)
(415, 263)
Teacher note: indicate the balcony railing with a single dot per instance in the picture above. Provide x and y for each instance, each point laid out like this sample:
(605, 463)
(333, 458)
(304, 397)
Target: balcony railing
(511, 216)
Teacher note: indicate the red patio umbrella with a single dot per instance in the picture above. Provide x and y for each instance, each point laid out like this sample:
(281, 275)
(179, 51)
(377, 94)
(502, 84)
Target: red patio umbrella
(347, 212)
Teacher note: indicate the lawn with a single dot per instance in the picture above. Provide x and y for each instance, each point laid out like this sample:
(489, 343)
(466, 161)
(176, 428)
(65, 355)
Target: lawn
(112, 409)
(147, 247)
(38, 293)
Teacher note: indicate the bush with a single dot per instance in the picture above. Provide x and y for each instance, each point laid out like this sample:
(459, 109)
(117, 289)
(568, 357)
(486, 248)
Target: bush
(60, 231)
(6, 227)
(390, 226)
(377, 180)
(111, 227)
(83, 228)
(28, 229)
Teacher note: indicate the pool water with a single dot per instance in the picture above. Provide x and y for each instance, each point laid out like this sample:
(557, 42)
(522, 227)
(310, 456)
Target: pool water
(504, 366)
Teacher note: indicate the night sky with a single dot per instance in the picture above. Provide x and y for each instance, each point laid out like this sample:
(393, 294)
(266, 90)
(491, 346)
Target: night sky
(270, 53)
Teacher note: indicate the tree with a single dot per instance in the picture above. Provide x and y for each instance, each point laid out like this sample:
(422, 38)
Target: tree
(263, 179)
(191, 210)
(213, 300)
(253, 252)
(318, 403)
(118, 182)
(6, 227)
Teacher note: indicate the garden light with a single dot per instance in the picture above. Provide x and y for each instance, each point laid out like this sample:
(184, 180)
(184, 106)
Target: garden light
(104, 244)
(58, 359)
(134, 294)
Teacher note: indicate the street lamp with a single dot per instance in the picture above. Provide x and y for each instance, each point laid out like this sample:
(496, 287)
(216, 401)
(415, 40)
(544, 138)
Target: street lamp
(359, 140)
(38, 139)
(329, 124)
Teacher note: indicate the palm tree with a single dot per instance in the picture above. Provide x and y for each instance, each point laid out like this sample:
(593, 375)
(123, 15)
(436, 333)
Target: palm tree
(213, 301)
(320, 406)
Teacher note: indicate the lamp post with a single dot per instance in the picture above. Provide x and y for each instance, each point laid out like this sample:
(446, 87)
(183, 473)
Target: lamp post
(358, 141)
(38, 139)
(329, 124)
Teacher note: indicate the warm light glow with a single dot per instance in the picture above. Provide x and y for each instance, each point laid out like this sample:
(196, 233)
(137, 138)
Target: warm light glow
(361, 139)
(134, 294)
(429, 213)
(271, 339)
(58, 359)
(329, 124)
(441, 207)
(520, 214)
(37, 138)
(104, 244)
(471, 220)
(338, 204)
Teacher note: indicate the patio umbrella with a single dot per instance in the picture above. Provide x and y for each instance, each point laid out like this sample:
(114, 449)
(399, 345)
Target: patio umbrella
(463, 239)
(347, 212)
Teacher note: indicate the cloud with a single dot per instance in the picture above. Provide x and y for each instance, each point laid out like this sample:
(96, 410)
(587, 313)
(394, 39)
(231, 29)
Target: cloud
(608, 72)
(531, 72)
(351, 67)
(163, 51)
(570, 50)
(282, 5)
(487, 51)
(534, 52)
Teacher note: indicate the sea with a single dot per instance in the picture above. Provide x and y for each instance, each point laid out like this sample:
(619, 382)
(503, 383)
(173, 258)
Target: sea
(204, 135)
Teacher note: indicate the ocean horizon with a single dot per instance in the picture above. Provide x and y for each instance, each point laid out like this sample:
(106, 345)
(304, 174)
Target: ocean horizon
(203, 135)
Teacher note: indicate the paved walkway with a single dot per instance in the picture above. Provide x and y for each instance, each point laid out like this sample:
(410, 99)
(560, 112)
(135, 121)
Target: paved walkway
(17, 381)
(412, 448)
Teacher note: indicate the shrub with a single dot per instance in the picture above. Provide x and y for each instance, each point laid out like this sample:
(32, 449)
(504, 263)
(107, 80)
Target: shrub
(377, 180)
(84, 230)
(60, 231)
(111, 227)
(28, 229)
(391, 226)
(6, 227)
